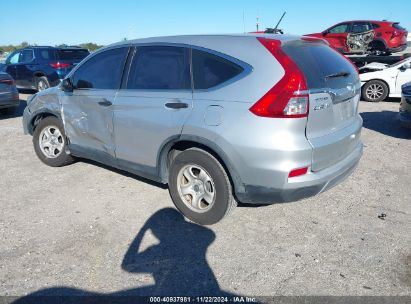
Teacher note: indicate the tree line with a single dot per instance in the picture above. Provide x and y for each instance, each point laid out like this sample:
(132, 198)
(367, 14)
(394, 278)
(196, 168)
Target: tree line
(11, 48)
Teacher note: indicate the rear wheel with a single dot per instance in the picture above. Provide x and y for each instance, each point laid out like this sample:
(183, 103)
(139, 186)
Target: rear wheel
(378, 48)
(200, 187)
(374, 91)
(42, 83)
(50, 142)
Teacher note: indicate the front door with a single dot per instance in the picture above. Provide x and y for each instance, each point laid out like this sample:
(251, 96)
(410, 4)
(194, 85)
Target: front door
(11, 63)
(88, 110)
(337, 36)
(153, 106)
(404, 75)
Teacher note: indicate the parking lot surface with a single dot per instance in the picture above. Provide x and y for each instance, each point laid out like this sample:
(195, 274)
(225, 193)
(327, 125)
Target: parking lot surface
(85, 228)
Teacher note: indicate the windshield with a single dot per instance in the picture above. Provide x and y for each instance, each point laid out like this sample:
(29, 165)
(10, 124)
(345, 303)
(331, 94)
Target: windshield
(400, 62)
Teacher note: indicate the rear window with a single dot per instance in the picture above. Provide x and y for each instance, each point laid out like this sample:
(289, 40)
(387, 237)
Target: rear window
(317, 61)
(398, 26)
(210, 70)
(71, 54)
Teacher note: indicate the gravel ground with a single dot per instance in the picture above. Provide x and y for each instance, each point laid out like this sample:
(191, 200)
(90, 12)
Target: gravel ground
(87, 228)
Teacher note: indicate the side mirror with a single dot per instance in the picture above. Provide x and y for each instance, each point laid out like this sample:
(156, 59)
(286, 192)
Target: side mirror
(66, 85)
(406, 65)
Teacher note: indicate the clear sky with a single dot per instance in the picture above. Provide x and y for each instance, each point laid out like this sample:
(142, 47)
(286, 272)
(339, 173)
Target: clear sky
(51, 22)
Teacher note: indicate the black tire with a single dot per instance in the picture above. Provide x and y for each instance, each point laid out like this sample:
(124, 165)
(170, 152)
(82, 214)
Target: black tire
(223, 202)
(374, 91)
(42, 83)
(63, 158)
(378, 48)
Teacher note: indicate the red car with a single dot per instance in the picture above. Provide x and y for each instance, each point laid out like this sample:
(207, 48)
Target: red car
(360, 36)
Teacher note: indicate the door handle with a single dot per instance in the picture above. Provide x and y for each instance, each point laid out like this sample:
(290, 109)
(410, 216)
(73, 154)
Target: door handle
(176, 105)
(105, 103)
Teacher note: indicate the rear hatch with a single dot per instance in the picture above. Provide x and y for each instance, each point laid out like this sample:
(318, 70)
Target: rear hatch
(399, 32)
(333, 125)
(68, 58)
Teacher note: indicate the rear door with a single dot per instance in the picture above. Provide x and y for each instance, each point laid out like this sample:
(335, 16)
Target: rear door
(88, 110)
(333, 125)
(153, 105)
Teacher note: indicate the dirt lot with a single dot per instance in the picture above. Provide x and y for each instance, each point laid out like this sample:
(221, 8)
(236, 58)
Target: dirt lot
(99, 230)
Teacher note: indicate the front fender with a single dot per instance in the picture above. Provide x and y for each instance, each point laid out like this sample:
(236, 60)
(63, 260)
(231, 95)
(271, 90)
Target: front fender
(43, 104)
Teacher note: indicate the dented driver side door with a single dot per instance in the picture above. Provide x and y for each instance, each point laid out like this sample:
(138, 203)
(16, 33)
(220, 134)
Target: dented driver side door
(88, 110)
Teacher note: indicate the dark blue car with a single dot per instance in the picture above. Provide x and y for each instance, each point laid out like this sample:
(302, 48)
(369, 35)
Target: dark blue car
(42, 67)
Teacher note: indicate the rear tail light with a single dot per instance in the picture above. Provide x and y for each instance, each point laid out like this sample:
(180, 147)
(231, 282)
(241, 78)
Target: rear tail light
(289, 97)
(7, 81)
(59, 65)
(396, 34)
(298, 172)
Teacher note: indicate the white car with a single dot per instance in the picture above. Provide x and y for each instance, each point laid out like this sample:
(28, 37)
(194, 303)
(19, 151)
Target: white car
(380, 80)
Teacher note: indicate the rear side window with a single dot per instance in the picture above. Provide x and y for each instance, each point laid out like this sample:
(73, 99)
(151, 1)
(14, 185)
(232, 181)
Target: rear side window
(72, 54)
(160, 68)
(102, 71)
(317, 61)
(26, 56)
(375, 25)
(398, 27)
(360, 27)
(210, 70)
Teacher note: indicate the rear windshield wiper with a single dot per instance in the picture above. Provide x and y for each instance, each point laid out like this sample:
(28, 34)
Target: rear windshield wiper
(336, 75)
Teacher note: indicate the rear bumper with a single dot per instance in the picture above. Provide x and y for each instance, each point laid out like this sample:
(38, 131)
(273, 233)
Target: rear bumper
(398, 49)
(9, 100)
(304, 186)
(405, 119)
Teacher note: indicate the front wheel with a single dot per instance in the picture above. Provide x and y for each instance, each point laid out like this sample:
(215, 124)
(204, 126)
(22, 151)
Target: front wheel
(50, 142)
(374, 91)
(199, 187)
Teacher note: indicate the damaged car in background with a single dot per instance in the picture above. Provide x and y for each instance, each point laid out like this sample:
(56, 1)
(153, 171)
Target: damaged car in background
(365, 36)
(380, 80)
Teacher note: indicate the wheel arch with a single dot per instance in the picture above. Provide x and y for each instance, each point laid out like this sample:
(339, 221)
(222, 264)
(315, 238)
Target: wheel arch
(39, 74)
(176, 144)
(380, 40)
(37, 117)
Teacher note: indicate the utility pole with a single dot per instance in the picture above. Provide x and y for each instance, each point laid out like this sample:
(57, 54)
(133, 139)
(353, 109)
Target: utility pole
(258, 23)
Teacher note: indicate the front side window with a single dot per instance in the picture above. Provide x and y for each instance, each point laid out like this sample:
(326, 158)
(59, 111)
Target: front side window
(160, 68)
(210, 70)
(14, 58)
(341, 28)
(102, 71)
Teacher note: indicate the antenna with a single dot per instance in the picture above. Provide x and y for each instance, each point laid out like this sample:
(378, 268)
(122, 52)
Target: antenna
(244, 21)
(278, 23)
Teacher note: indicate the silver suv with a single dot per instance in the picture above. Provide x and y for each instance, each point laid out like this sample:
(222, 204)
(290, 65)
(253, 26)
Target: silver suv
(219, 118)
